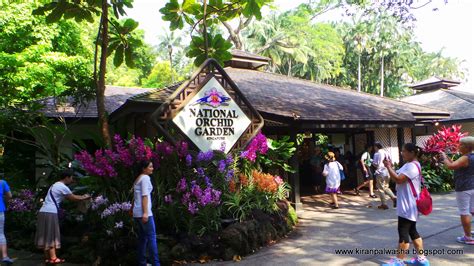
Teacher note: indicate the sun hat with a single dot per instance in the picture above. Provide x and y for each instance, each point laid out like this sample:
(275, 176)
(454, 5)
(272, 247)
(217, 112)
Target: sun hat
(330, 156)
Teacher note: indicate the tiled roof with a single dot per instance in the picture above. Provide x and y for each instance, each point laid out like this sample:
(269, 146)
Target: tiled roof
(114, 98)
(460, 104)
(292, 97)
(244, 54)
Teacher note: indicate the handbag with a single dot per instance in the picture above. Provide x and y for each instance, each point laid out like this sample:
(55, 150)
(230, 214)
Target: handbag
(341, 173)
(61, 212)
(424, 202)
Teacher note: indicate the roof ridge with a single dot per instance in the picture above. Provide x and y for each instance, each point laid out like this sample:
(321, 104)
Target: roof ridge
(344, 89)
(126, 87)
(455, 95)
(154, 90)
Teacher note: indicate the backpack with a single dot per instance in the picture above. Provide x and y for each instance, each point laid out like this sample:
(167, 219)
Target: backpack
(424, 203)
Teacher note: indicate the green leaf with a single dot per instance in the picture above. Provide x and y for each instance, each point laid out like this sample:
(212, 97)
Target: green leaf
(191, 7)
(54, 16)
(129, 57)
(253, 8)
(118, 57)
(112, 47)
(129, 25)
(43, 9)
(200, 59)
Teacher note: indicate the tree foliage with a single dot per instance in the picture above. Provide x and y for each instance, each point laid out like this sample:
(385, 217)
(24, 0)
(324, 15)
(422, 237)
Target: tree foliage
(118, 41)
(370, 38)
(297, 46)
(161, 76)
(200, 15)
(38, 59)
(374, 50)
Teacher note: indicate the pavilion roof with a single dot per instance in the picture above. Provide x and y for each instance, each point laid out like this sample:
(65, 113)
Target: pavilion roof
(288, 99)
(460, 104)
(115, 97)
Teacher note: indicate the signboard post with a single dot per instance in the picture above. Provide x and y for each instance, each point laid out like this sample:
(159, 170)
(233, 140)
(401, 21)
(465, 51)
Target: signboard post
(210, 111)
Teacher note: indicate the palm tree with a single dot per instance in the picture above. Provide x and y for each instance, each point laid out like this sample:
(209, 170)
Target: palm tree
(169, 42)
(270, 38)
(360, 33)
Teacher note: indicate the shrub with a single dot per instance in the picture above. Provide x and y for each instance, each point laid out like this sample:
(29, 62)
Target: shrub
(437, 177)
(195, 192)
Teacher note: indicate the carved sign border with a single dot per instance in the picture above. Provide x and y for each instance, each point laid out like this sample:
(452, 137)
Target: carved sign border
(162, 117)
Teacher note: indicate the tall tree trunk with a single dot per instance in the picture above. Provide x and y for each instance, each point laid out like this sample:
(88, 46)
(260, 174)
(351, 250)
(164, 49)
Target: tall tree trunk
(289, 68)
(170, 52)
(358, 75)
(204, 22)
(100, 91)
(381, 77)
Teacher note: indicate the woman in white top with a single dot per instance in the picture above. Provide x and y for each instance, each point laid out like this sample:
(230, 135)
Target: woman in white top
(332, 172)
(143, 216)
(407, 178)
(48, 236)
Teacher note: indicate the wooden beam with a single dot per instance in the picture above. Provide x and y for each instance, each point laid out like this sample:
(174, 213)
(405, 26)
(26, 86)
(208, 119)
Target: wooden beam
(294, 178)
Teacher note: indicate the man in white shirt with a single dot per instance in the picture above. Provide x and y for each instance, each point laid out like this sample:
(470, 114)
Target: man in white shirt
(382, 177)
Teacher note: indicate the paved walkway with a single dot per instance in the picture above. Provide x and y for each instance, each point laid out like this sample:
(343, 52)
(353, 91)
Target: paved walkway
(358, 224)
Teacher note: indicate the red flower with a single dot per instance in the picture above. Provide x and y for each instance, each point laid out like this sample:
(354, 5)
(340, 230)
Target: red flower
(447, 140)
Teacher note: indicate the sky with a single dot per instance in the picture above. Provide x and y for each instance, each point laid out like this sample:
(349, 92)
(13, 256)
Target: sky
(450, 28)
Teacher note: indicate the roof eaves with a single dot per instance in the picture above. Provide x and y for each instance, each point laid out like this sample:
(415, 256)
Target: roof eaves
(353, 91)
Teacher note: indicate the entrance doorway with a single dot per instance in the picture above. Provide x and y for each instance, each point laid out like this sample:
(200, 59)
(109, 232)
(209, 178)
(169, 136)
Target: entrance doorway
(348, 147)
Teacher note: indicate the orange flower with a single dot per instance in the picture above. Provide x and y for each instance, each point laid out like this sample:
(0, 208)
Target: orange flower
(244, 181)
(232, 186)
(264, 182)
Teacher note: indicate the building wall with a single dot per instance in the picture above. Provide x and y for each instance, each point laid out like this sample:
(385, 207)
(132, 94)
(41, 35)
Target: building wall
(388, 138)
(423, 133)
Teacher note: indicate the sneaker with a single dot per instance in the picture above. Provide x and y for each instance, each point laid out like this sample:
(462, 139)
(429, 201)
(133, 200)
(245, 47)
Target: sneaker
(394, 262)
(373, 196)
(465, 240)
(418, 261)
(7, 260)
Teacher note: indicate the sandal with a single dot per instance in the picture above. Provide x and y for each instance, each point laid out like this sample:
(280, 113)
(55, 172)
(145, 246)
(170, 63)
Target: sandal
(357, 192)
(56, 261)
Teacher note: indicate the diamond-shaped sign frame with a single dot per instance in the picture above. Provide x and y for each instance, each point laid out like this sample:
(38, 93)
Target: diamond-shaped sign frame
(163, 116)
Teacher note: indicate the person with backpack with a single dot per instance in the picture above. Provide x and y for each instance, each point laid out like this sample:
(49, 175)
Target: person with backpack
(48, 237)
(464, 185)
(408, 179)
(365, 163)
(5, 195)
(333, 172)
(382, 177)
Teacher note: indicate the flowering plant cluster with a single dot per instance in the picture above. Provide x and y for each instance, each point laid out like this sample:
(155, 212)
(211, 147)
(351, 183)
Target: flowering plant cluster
(198, 190)
(446, 139)
(257, 146)
(109, 218)
(266, 182)
(104, 162)
(116, 208)
(191, 188)
(24, 201)
(194, 197)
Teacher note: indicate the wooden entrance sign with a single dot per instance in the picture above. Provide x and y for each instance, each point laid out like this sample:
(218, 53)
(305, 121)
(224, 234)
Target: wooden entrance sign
(210, 111)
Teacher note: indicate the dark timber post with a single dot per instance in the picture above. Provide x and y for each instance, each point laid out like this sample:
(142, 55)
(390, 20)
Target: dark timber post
(401, 142)
(413, 135)
(294, 178)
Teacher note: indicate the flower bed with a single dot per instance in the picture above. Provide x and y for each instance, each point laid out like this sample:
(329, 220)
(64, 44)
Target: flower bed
(207, 205)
